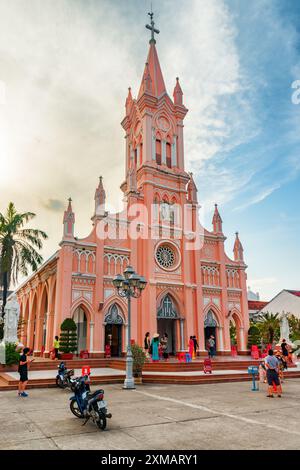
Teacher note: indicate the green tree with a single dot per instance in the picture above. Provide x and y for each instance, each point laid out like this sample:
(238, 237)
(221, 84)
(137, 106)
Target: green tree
(232, 330)
(18, 246)
(294, 324)
(269, 327)
(68, 336)
(254, 336)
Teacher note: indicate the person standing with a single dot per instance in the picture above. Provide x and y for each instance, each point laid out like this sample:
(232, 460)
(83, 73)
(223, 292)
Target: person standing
(147, 344)
(23, 371)
(191, 347)
(164, 346)
(212, 346)
(196, 345)
(56, 346)
(281, 364)
(285, 351)
(272, 366)
(154, 347)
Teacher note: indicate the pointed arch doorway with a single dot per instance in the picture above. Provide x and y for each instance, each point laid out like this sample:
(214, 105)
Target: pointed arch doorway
(166, 322)
(210, 328)
(79, 318)
(113, 330)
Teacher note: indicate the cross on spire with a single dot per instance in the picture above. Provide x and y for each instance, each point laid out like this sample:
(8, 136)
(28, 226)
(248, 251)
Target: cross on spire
(152, 29)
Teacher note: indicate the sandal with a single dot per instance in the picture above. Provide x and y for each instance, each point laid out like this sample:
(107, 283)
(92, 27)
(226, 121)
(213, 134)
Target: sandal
(270, 396)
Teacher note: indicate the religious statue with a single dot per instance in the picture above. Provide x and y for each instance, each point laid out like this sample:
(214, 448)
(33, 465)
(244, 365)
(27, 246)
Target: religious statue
(165, 211)
(11, 319)
(284, 328)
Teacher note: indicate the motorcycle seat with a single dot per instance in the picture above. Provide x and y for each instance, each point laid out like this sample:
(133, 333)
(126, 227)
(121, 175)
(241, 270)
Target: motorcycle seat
(94, 394)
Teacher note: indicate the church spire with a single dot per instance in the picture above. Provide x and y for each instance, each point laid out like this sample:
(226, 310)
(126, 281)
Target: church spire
(238, 249)
(129, 102)
(69, 222)
(192, 190)
(152, 81)
(217, 221)
(100, 197)
(177, 93)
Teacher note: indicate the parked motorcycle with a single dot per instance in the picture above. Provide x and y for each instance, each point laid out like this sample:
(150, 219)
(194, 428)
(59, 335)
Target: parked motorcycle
(64, 377)
(85, 404)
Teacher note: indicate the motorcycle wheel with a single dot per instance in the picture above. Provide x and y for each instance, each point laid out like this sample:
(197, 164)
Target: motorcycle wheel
(59, 383)
(101, 422)
(75, 409)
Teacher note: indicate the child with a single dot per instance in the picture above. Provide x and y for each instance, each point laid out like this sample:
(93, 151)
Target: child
(281, 365)
(160, 351)
(262, 372)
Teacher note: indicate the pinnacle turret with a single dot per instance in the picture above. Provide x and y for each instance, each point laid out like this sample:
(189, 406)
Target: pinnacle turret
(238, 249)
(177, 93)
(217, 221)
(69, 221)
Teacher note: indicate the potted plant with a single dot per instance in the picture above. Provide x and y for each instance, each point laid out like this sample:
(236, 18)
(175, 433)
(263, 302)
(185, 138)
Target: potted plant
(68, 338)
(139, 358)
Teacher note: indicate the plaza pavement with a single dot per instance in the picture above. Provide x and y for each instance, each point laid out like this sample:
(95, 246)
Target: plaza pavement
(214, 416)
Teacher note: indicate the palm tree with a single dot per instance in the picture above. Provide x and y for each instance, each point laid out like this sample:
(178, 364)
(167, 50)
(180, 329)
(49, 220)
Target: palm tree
(17, 247)
(269, 326)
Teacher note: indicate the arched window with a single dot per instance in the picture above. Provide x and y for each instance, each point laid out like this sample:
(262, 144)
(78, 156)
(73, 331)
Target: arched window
(210, 320)
(113, 315)
(167, 309)
(168, 153)
(158, 150)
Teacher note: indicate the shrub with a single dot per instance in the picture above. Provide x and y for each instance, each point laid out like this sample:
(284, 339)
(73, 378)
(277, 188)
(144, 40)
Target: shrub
(254, 336)
(233, 334)
(139, 358)
(68, 336)
(11, 355)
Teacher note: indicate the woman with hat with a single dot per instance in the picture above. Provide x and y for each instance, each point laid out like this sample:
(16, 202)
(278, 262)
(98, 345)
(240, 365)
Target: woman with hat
(154, 347)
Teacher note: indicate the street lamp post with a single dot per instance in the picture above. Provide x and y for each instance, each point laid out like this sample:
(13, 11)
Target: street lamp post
(129, 285)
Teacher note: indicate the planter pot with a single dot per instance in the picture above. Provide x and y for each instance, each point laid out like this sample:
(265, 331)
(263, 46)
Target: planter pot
(67, 356)
(138, 380)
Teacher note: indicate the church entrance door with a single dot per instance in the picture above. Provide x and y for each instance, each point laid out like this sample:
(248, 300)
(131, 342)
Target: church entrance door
(113, 337)
(167, 326)
(208, 331)
(166, 322)
(210, 328)
(113, 330)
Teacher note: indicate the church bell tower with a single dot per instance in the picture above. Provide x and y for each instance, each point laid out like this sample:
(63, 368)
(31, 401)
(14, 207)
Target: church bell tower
(154, 126)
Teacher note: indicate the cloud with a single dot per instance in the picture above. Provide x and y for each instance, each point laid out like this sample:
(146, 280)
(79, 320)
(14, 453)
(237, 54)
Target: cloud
(54, 205)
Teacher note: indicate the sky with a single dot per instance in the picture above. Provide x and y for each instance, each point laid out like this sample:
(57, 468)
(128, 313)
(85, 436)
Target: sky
(65, 67)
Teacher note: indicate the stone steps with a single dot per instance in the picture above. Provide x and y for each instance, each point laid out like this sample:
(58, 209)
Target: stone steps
(8, 383)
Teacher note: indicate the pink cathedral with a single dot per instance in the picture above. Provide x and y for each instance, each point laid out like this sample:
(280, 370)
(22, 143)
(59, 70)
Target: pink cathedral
(193, 287)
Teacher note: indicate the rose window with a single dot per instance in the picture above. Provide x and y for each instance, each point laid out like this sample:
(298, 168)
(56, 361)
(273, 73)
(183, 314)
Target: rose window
(165, 256)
